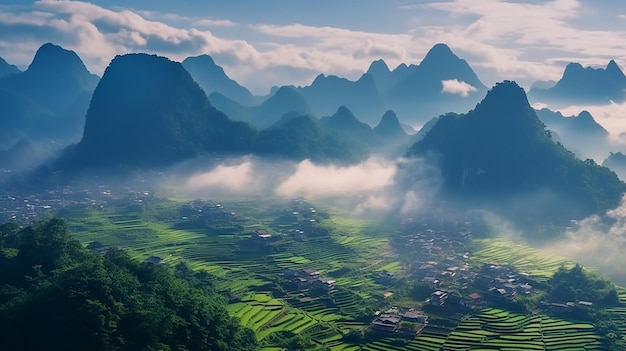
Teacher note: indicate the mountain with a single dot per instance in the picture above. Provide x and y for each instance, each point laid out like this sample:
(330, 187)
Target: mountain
(389, 127)
(617, 163)
(327, 93)
(441, 83)
(285, 100)
(587, 85)
(54, 79)
(148, 111)
(7, 69)
(350, 129)
(48, 100)
(500, 156)
(212, 78)
(581, 133)
(301, 137)
(385, 78)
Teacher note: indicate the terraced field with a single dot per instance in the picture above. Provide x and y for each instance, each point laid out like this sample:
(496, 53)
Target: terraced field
(354, 250)
(540, 264)
(143, 232)
(495, 329)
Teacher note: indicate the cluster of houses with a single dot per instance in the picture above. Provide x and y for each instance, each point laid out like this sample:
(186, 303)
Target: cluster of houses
(391, 321)
(503, 281)
(443, 263)
(309, 278)
(204, 211)
(24, 209)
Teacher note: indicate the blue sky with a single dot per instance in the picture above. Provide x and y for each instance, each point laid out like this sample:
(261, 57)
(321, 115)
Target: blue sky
(276, 42)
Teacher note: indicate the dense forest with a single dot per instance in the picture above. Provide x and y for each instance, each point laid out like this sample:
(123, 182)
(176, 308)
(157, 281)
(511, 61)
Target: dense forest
(74, 299)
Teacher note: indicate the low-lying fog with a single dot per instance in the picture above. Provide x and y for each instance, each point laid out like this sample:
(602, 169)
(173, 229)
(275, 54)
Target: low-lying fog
(367, 188)
(372, 188)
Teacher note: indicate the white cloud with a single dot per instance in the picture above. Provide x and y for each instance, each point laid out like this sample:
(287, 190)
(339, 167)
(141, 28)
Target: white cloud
(310, 179)
(502, 40)
(454, 86)
(595, 244)
(514, 38)
(372, 187)
(230, 178)
(207, 22)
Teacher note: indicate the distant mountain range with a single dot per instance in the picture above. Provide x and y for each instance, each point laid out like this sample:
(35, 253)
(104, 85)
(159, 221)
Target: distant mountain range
(147, 111)
(499, 155)
(581, 133)
(580, 86)
(284, 101)
(441, 83)
(48, 100)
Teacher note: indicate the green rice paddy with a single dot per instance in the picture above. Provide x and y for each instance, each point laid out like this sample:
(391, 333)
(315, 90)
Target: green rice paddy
(355, 249)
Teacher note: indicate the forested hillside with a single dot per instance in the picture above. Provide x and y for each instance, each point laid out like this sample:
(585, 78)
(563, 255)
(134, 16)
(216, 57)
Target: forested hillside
(57, 295)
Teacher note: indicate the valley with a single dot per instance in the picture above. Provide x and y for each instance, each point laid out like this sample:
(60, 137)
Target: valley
(298, 272)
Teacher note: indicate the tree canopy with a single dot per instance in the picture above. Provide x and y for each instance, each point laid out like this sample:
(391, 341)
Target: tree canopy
(55, 294)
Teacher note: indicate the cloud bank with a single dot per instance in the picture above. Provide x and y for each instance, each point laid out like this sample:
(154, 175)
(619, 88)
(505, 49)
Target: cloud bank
(454, 86)
(598, 245)
(519, 40)
(375, 186)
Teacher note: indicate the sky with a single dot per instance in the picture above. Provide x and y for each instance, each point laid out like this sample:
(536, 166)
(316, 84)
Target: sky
(278, 42)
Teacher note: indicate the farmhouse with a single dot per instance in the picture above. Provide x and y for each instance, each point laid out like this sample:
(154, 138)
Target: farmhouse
(386, 323)
(324, 283)
(261, 234)
(438, 298)
(472, 300)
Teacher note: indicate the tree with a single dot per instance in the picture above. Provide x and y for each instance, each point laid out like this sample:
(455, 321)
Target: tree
(61, 296)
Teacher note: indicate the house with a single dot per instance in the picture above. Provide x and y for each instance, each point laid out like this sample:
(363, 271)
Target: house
(413, 316)
(261, 234)
(438, 298)
(154, 260)
(386, 323)
(472, 300)
(310, 273)
(324, 283)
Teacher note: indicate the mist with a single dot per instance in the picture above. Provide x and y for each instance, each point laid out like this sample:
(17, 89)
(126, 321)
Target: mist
(598, 245)
(376, 187)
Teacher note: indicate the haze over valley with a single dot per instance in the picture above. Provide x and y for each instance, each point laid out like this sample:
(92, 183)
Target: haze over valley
(198, 178)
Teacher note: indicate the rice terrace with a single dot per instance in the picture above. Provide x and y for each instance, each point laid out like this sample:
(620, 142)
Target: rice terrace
(303, 276)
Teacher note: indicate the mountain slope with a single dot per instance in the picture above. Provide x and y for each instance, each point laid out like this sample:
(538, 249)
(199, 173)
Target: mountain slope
(587, 85)
(285, 100)
(350, 129)
(501, 153)
(147, 110)
(212, 78)
(301, 137)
